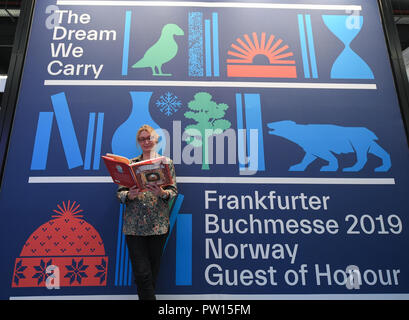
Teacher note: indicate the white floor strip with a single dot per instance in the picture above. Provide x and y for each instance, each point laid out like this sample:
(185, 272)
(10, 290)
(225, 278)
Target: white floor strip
(210, 5)
(59, 179)
(224, 180)
(262, 180)
(212, 84)
(403, 296)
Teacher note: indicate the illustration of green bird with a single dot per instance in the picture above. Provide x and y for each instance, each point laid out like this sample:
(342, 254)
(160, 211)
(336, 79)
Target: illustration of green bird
(164, 50)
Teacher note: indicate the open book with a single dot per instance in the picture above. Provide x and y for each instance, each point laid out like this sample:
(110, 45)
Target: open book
(139, 174)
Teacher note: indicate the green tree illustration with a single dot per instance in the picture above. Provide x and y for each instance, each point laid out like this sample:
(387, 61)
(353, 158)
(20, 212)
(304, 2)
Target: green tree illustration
(208, 114)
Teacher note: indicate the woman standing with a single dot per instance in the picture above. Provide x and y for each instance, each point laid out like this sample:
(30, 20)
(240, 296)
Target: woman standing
(146, 219)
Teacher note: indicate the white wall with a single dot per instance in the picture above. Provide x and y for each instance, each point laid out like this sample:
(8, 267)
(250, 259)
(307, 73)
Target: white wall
(2, 83)
(405, 54)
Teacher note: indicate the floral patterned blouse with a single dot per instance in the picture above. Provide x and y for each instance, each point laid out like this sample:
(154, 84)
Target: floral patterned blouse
(147, 214)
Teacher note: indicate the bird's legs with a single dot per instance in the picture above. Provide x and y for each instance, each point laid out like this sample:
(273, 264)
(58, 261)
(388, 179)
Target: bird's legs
(154, 71)
(160, 73)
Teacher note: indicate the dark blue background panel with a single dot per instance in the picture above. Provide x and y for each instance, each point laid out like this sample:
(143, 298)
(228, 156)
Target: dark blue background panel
(283, 122)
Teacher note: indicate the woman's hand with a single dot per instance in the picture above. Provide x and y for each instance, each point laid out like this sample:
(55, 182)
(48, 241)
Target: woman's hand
(133, 193)
(156, 190)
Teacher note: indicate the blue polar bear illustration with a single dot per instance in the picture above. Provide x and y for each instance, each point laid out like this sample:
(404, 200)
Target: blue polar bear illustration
(324, 140)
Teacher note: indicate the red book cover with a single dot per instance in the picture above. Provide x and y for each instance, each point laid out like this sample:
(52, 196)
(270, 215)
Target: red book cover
(120, 171)
(152, 171)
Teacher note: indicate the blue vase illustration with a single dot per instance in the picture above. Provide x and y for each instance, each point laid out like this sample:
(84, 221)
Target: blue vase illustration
(124, 139)
(348, 65)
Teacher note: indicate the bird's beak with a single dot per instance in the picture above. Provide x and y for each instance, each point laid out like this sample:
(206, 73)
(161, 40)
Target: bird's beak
(180, 32)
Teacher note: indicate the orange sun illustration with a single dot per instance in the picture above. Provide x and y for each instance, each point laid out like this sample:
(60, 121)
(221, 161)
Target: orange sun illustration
(244, 52)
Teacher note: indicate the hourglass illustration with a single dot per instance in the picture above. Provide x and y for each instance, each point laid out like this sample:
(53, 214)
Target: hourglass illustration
(124, 138)
(348, 65)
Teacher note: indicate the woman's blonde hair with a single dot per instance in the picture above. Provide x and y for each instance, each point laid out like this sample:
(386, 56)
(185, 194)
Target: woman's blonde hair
(150, 130)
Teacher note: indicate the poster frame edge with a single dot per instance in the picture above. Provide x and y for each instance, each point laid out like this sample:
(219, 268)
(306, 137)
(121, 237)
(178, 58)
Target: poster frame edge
(15, 72)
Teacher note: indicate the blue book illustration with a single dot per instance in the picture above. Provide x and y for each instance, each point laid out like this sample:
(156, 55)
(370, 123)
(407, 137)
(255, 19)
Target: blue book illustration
(324, 140)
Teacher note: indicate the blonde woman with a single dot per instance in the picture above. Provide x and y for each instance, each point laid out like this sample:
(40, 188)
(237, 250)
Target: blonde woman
(146, 219)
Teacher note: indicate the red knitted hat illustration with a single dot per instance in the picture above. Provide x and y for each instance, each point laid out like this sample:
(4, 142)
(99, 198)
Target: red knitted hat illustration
(68, 242)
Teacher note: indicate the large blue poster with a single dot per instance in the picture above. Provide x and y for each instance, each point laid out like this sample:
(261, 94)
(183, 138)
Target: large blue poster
(282, 120)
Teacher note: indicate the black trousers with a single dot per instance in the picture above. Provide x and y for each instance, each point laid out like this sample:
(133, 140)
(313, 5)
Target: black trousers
(145, 253)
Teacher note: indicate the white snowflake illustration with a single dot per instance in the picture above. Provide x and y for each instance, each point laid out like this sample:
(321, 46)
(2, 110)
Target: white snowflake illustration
(168, 103)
